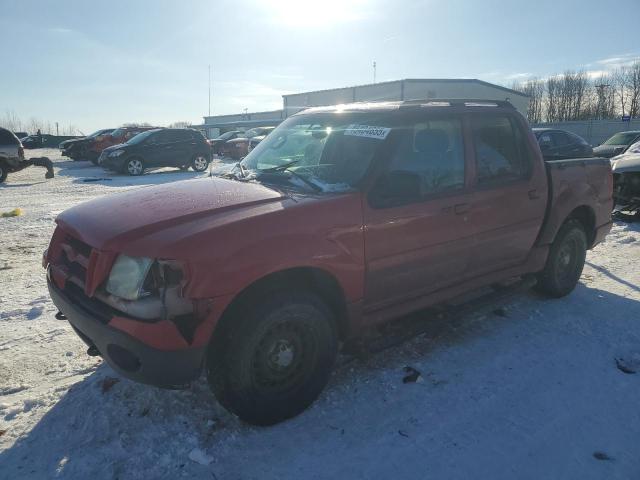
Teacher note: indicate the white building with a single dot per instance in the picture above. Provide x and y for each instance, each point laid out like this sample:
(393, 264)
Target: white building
(398, 90)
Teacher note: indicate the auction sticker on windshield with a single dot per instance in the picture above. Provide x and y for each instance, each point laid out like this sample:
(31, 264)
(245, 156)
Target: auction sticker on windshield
(367, 131)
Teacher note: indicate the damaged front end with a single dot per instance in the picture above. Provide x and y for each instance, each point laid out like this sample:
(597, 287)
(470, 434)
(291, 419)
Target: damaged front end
(131, 310)
(626, 186)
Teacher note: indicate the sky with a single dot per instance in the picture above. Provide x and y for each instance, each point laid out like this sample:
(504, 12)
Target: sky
(100, 64)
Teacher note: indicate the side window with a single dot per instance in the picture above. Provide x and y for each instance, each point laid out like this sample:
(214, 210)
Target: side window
(6, 138)
(434, 151)
(560, 139)
(502, 154)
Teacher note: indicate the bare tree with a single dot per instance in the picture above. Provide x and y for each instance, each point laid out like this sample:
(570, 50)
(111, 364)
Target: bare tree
(180, 124)
(633, 87)
(534, 89)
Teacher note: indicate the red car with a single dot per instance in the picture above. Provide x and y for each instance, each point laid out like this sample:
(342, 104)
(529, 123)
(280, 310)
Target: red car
(116, 137)
(240, 146)
(339, 220)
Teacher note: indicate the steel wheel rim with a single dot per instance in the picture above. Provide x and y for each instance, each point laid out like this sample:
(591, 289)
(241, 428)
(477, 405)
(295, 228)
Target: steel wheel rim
(282, 357)
(200, 163)
(567, 259)
(134, 167)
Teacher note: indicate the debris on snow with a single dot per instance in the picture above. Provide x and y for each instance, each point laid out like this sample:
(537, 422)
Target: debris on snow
(629, 364)
(412, 376)
(602, 456)
(198, 456)
(16, 212)
(107, 383)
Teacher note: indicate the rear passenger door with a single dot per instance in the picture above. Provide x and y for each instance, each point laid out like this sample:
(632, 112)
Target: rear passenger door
(417, 238)
(510, 192)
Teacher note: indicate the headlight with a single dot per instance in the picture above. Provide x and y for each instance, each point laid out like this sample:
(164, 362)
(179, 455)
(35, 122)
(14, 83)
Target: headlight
(116, 153)
(127, 276)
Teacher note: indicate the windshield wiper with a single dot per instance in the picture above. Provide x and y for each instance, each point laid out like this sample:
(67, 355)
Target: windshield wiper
(279, 168)
(286, 167)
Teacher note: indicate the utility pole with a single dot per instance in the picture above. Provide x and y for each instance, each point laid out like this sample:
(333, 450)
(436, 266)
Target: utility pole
(209, 89)
(374, 71)
(57, 132)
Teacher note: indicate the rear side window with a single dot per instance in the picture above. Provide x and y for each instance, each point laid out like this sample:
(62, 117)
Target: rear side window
(433, 149)
(560, 139)
(7, 138)
(500, 149)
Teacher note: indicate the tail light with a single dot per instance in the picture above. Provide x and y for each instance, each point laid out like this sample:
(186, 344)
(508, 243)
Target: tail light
(21, 152)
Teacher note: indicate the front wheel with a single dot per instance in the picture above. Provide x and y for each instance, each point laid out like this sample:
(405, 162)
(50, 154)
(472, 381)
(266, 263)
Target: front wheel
(3, 172)
(565, 262)
(199, 163)
(134, 167)
(275, 357)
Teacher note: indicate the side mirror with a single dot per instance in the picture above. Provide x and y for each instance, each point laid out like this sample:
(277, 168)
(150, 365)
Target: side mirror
(618, 150)
(396, 188)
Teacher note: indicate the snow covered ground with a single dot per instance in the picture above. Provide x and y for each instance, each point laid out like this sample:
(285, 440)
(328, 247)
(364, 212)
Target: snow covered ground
(528, 388)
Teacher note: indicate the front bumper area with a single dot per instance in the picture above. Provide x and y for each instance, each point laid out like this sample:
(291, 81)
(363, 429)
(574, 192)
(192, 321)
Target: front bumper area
(127, 355)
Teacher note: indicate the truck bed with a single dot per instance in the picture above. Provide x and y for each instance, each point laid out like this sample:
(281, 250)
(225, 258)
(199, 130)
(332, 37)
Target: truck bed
(585, 183)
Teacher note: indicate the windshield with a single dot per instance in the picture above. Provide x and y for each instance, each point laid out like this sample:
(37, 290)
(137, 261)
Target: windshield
(226, 136)
(98, 132)
(140, 137)
(634, 148)
(622, 138)
(332, 151)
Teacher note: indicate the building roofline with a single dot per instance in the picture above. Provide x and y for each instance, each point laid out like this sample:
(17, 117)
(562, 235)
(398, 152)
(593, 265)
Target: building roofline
(248, 113)
(416, 80)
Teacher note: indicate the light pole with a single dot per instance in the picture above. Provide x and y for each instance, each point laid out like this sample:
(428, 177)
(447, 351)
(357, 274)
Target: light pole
(374, 71)
(209, 89)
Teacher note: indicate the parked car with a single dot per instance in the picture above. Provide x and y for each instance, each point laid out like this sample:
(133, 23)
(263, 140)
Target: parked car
(558, 144)
(76, 149)
(166, 147)
(254, 141)
(626, 178)
(617, 144)
(217, 143)
(12, 156)
(45, 140)
(238, 147)
(342, 218)
(118, 136)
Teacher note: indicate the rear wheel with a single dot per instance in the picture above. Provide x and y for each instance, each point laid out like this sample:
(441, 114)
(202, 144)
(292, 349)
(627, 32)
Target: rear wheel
(565, 262)
(199, 163)
(134, 166)
(3, 172)
(275, 357)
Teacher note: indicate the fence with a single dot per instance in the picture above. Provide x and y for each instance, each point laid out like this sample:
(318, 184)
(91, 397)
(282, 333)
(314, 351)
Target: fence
(594, 131)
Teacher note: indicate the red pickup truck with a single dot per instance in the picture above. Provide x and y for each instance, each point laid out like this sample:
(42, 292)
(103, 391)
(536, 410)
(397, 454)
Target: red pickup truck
(342, 218)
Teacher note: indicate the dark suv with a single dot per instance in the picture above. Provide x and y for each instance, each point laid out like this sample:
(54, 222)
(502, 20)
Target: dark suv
(166, 147)
(559, 144)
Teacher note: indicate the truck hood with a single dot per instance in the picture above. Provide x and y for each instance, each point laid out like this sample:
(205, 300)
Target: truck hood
(114, 221)
(629, 162)
(608, 151)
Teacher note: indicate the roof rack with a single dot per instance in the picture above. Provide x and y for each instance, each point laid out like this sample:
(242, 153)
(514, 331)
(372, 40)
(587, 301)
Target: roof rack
(460, 102)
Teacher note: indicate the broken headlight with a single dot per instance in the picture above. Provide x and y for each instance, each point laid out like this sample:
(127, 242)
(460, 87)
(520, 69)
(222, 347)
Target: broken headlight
(127, 277)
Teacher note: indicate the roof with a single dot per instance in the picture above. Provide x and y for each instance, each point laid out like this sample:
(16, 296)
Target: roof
(418, 80)
(432, 102)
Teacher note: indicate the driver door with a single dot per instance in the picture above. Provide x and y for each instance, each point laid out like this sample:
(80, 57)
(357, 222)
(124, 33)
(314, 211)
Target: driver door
(417, 235)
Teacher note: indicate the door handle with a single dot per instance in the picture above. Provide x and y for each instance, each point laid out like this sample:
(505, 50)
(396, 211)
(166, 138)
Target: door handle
(461, 208)
(533, 194)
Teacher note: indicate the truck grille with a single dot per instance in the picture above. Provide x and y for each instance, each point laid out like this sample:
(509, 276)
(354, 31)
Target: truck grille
(75, 256)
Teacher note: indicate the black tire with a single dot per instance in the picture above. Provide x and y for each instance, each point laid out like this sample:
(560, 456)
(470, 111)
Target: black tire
(3, 172)
(565, 262)
(133, 166)
(274, 358)
(200, 162)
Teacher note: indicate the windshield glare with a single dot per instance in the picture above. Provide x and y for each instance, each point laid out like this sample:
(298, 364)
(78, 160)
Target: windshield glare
(622, 138)
(140, 137)
(333, 151)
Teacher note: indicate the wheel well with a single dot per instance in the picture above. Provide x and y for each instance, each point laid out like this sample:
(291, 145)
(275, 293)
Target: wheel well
(587, 217)
(313, 279)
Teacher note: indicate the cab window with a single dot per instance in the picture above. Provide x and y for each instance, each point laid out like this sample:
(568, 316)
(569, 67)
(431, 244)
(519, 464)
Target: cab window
(500, 150)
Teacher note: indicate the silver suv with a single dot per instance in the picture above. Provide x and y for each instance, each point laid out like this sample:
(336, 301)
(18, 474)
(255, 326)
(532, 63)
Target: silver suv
(12, 156)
